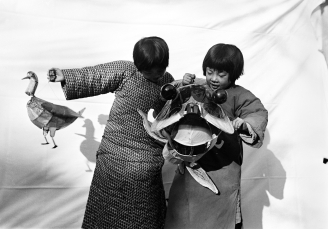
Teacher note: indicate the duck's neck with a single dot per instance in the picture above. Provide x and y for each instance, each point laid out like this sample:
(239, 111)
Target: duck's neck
(31, 87)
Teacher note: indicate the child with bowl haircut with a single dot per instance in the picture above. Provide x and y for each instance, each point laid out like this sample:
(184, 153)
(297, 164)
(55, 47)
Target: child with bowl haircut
(190, 204)
(127, 188)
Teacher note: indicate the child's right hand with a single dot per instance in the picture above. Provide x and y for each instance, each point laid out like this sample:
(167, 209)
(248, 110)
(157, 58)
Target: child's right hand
(188, 79)
(59, 75)
(239, 123)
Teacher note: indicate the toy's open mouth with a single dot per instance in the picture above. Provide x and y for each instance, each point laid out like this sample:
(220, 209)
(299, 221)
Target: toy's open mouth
(192, 130)
(191, 135)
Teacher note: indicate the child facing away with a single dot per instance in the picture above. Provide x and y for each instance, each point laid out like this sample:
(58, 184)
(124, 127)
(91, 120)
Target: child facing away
(127, 189)
(190, 204)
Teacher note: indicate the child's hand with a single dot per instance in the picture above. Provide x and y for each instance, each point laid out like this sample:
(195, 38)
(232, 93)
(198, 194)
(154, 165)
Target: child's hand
(188, 79)
(238, 123)
(55, 75)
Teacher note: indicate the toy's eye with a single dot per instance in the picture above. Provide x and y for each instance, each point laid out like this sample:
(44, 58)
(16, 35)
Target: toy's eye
(169, 92)
(192, 108)
(219, 96)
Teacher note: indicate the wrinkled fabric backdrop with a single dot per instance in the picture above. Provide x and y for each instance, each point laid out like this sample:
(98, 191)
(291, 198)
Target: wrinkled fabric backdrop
(284, 42)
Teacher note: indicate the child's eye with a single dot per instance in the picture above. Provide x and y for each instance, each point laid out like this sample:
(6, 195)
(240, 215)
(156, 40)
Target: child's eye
(209, 70)
(223, 74)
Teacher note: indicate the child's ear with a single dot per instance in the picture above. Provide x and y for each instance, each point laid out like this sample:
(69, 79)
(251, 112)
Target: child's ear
(230, 82)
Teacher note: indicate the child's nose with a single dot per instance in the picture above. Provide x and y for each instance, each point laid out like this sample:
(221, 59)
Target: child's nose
(215, 77)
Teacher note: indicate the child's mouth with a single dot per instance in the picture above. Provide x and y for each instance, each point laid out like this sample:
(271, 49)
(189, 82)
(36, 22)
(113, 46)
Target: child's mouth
(215, 86)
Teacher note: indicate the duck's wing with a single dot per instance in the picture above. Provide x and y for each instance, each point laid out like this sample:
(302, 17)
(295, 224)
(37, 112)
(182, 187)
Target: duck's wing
(59, 110)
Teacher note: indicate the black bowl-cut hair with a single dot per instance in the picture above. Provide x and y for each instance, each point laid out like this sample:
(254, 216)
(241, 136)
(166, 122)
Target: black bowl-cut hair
(151, 52)
(225, 57)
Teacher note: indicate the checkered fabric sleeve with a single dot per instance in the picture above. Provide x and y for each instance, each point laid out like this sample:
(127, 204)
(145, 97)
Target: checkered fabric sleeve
(96, 80)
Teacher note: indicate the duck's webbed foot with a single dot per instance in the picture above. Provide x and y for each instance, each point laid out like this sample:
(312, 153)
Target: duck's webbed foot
(55, 146)
(46, 143)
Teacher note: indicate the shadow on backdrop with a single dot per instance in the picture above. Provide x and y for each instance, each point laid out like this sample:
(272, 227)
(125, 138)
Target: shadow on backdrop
(89, 146)
(265, 176)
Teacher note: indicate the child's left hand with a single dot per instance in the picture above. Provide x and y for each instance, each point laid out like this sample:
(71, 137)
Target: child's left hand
(238, 123)
(188, 79)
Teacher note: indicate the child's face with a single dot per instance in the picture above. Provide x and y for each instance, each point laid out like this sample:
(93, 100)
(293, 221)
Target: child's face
(154, 74)
(217, 79)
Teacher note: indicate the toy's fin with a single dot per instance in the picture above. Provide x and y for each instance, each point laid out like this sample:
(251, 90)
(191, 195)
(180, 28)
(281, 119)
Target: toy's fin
(202, 178)
(147, 125)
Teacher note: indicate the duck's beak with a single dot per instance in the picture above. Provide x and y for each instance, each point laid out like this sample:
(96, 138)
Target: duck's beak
(27, 77)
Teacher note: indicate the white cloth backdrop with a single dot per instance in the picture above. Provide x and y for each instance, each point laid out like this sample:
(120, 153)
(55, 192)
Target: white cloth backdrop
(284, 184)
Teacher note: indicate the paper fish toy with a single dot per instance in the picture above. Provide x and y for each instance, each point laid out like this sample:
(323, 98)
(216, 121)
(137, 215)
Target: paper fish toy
(189, 125)
(45, 115)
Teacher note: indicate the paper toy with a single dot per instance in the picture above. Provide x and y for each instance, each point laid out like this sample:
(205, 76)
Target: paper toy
(45, 115)
(189, 125)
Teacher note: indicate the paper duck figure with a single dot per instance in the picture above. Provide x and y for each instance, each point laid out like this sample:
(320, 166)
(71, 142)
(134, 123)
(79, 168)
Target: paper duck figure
(189, 125)
(45, 115)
